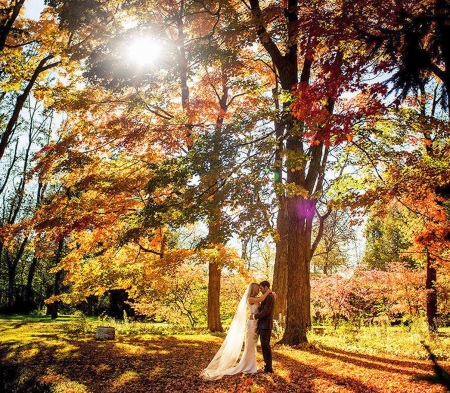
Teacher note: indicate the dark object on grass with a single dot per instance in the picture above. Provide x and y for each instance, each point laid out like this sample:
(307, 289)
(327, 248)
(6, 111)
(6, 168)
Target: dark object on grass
(441, 375)
(105, 333)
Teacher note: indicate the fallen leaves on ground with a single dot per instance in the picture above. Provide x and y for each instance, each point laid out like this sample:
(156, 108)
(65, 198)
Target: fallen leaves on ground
(157, 364)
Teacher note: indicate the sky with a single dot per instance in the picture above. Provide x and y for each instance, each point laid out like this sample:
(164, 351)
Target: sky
(33, 8)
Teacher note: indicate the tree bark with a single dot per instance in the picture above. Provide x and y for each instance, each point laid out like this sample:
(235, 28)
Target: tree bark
(298, 313)
(12, 268)
(431, 294)
(280, 275)
(29, 293)
(215, 273)
(294, 245)
(52, 308)
(7, 24)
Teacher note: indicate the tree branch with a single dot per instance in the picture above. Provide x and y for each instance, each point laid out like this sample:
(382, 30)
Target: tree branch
(9, 130)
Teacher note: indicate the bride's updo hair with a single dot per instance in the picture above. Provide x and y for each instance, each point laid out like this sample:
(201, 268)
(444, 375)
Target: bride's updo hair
(254, 289)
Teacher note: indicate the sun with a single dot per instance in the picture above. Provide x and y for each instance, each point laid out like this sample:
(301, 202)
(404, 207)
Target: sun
(144, 51)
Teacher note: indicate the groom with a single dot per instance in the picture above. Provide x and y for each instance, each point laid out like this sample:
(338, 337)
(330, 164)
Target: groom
(265, 325)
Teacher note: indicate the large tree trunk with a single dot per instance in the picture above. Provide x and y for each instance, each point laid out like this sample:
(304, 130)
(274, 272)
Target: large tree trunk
(431, 294)
(294, 247)
(280, 274)
(298, 313)
(52, 308)
(214, 323)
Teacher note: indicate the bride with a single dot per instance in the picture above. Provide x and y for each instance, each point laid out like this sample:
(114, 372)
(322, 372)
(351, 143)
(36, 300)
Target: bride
(224, 361)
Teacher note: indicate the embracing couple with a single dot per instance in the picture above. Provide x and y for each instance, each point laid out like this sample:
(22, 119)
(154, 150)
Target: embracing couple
(259, 323)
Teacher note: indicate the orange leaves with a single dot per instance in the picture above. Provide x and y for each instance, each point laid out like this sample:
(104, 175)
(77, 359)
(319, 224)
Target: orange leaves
(171, 363)
(11, 233)
(221, 255)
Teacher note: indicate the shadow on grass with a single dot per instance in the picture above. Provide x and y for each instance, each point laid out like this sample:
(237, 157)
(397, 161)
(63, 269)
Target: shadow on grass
(403, 367)
(370, 361)
(163, 364)
(37, 318)
(441, 376)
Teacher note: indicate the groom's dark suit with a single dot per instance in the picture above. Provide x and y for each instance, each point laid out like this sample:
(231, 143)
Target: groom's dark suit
(265, 325)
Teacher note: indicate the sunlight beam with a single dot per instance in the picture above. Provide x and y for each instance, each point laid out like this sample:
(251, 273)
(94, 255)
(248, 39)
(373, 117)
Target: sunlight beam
(144, 51)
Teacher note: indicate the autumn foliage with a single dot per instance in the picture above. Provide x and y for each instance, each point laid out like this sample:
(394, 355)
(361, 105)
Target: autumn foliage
(253, 122)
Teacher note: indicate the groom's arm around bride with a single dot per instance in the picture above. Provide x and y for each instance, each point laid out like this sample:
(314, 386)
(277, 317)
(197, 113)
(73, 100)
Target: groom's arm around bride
(265, 325)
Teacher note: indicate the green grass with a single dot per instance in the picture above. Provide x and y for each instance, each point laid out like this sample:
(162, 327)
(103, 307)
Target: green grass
(40, 355)
(393, 340)
(38, 318)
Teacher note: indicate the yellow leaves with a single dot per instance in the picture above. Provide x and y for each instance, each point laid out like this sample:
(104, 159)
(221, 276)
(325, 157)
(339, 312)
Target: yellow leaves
(8, 86)
(221, 255)
(23, 52)
(12, 234)
(14, 69)
(55, 298)
(173, 259)
(293, 189)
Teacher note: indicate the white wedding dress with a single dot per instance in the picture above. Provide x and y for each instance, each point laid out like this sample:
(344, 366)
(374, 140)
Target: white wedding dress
(224, 361)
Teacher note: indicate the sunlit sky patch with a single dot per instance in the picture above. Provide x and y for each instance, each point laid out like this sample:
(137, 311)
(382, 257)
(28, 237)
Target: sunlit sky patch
(33, 9)
(144, 51)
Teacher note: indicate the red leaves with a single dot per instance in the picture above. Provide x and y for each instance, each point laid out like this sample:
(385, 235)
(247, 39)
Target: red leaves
(329, 111)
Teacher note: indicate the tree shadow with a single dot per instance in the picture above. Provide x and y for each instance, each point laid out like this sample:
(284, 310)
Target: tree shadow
(304, 374)
(370, 361)
(408, 367)
(301, 377)
(159, 364)
(163, 364)
(441, 376)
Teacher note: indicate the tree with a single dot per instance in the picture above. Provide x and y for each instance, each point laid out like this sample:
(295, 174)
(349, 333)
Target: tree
(370, 296)
(332, 253)
(26, 46)
(148, 112)
(314, 67)
(388, 239)
(409, 174)
(413, 40)
(30, 50)
(34, 53)
(203, 183)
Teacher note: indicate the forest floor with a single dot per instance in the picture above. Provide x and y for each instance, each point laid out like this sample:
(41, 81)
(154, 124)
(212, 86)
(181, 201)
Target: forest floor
(39, 355)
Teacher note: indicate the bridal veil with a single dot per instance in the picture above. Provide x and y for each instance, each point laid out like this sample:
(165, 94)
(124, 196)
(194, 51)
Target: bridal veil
(228, 354)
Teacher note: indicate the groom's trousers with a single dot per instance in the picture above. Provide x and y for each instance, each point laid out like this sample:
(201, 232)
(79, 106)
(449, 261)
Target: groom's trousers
(264, 336)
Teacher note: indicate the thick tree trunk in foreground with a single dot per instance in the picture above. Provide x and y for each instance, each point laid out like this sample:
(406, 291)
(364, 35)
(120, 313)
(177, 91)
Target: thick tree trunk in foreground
(214, 323)
(294, 247)
(280, 273)
(298, 313)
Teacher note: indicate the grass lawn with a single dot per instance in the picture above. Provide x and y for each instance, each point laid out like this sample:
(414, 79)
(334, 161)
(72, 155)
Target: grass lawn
(62, 356)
